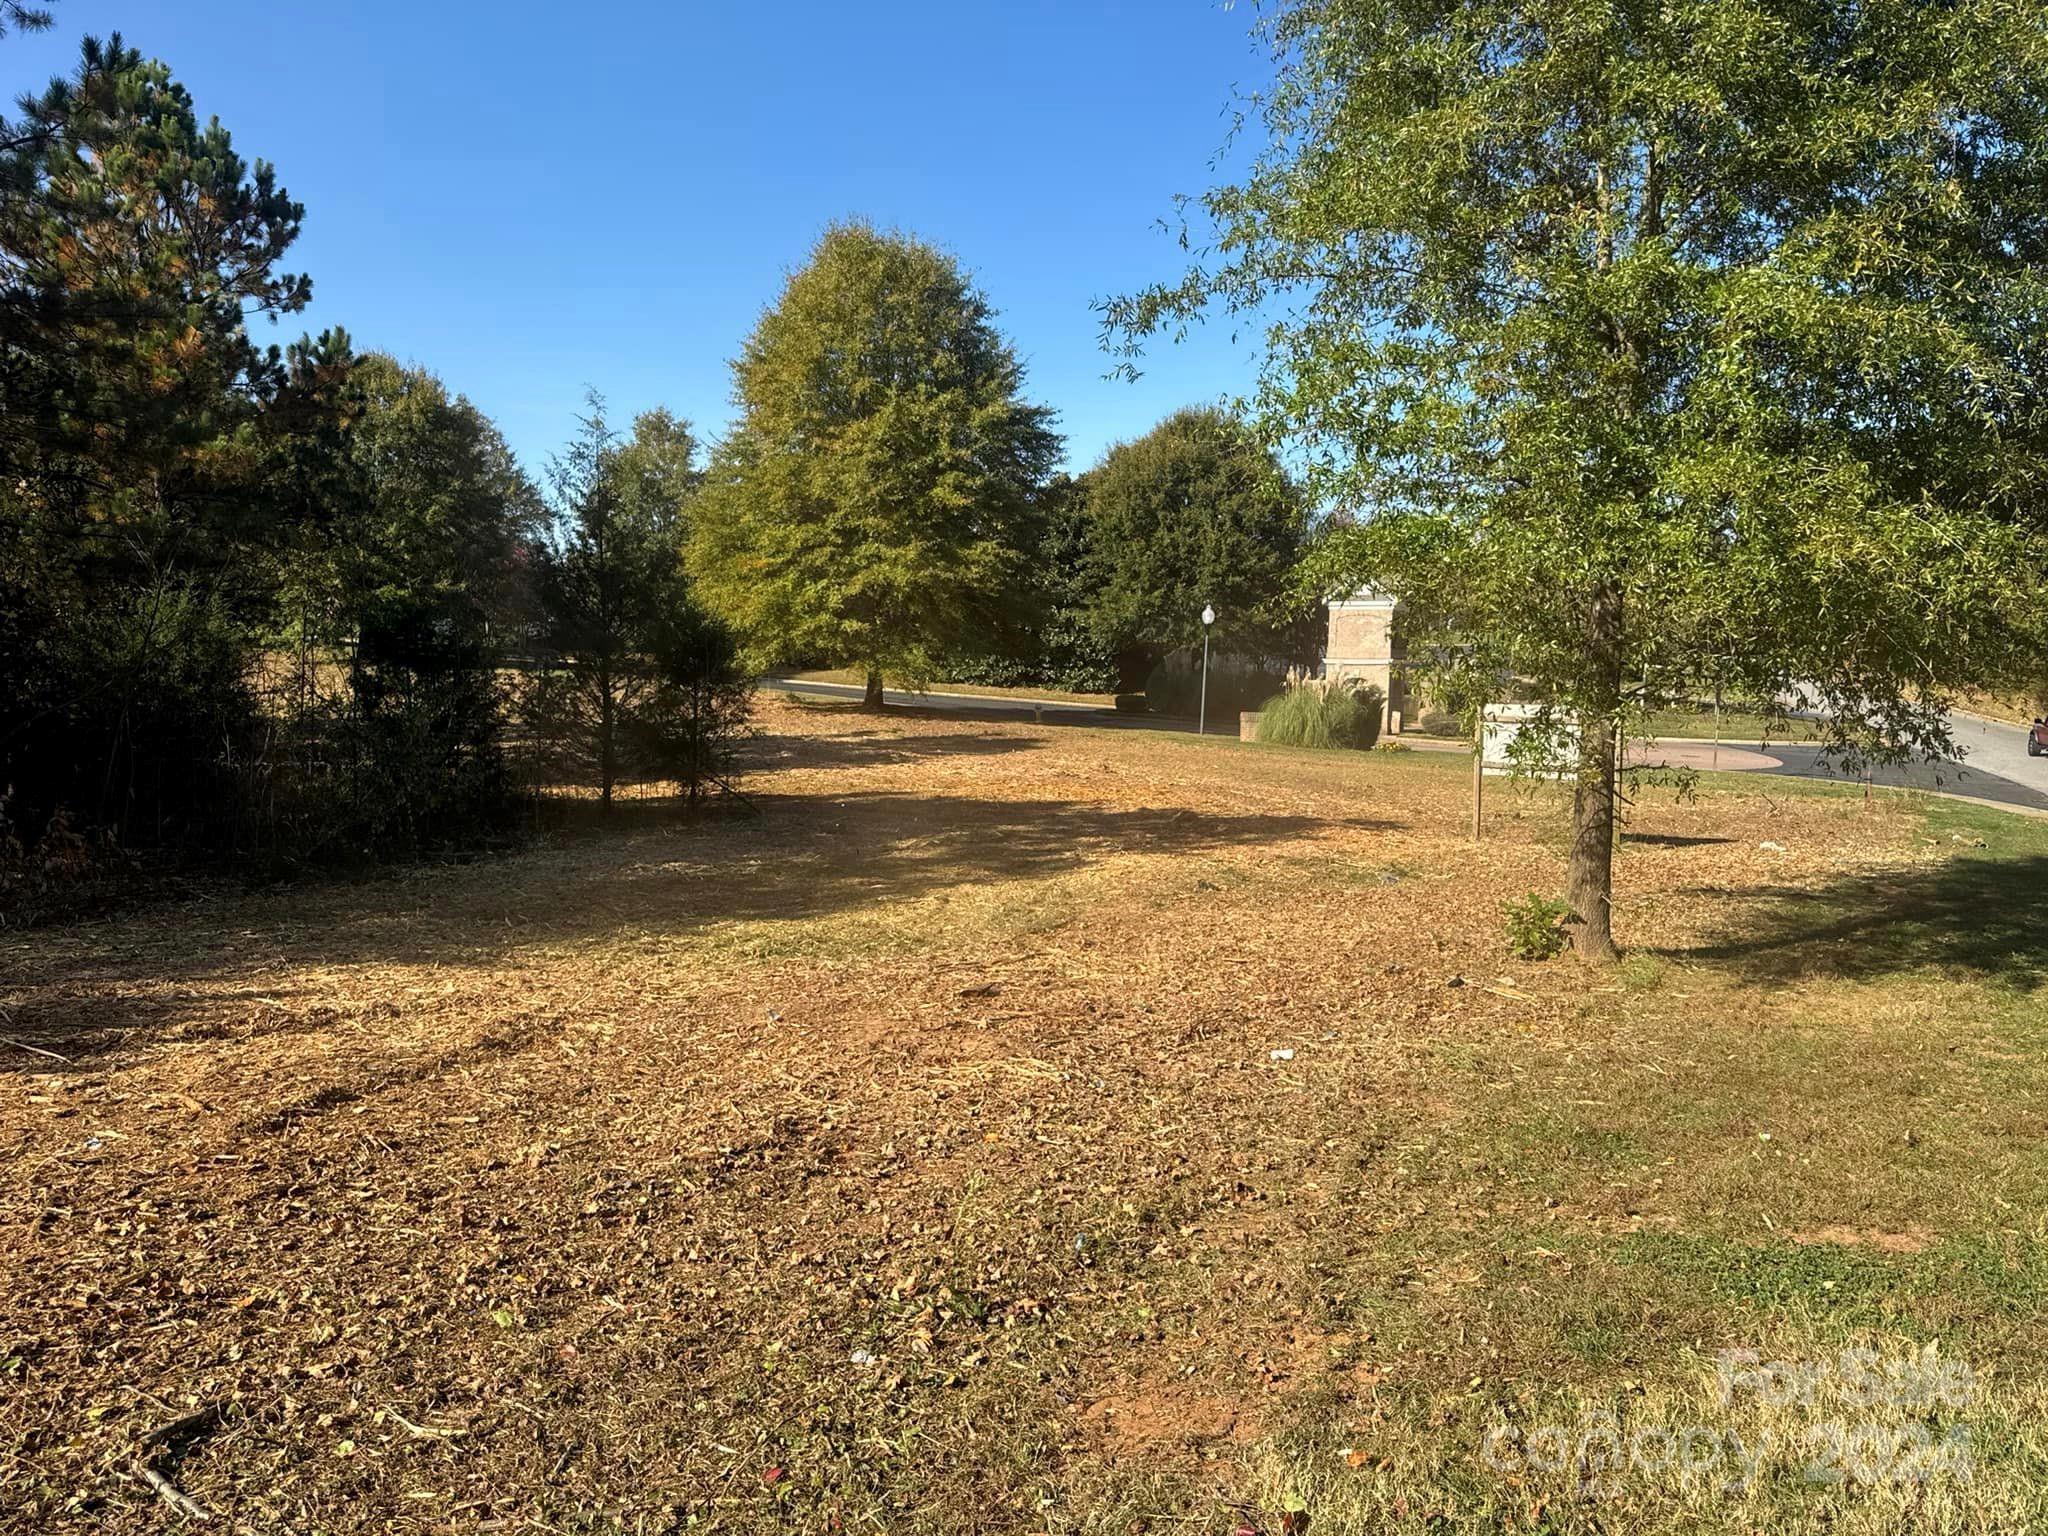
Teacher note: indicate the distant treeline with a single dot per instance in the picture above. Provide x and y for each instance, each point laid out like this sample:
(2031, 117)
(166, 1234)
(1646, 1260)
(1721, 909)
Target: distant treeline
(303, 605)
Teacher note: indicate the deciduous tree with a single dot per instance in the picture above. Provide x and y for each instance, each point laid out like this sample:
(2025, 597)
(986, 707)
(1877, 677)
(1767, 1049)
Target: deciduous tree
(410, 519)
(1663, 343)
(1195, 512)
(871, 506)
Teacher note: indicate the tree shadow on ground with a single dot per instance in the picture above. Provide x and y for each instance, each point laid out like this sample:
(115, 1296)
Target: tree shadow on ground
(1065, 715)
(878, 748)
(83, 992)
(1979, 916)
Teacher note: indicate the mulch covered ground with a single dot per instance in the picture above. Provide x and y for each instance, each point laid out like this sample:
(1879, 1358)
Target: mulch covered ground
(954, 1143)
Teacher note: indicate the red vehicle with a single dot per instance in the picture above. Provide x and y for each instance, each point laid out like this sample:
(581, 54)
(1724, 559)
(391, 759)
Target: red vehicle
(2037, 739)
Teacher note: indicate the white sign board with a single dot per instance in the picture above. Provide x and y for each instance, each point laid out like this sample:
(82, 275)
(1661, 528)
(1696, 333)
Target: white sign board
(1502, 725)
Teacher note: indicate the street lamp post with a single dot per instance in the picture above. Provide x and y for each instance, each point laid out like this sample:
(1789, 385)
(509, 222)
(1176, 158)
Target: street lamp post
(1208, 618)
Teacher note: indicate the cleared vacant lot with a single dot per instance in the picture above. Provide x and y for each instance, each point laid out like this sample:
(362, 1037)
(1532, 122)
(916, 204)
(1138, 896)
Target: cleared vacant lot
(1039, 1129)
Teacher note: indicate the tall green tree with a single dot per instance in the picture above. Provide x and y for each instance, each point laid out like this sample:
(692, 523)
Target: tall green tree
(644, 681)
(597, 566)
(658, 475)
(412, 519)
(1663, 343)
(871, 508)
(135, 246)
(1067, 649)
(409, 497)
(1195, 512)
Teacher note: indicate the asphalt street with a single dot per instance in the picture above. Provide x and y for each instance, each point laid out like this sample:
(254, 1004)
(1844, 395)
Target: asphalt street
(1995, 766)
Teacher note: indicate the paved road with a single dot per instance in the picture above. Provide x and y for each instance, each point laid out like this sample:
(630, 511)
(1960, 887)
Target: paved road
(1995, 764)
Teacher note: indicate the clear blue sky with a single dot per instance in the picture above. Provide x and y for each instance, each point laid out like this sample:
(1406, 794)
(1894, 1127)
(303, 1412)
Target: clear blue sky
(534, 198)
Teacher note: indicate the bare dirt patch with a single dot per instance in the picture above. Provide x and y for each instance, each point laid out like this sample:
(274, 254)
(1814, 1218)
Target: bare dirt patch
(1148, 1422)
(1864, 1237)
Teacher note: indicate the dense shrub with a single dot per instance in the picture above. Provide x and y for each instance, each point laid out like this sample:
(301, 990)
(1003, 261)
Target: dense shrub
(62, 874)
(1048, 644)
(700, 711)
(1320, 714)
(128, 717)
(1064, 668)
(1236, 683)
(399, 754)
(994, 671)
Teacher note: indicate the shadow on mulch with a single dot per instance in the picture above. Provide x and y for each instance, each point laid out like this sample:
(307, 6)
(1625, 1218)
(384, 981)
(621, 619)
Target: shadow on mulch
(800, 858)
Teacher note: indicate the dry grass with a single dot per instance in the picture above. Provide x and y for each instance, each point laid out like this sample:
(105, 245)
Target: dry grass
(2020, 707)
(1020, 1129)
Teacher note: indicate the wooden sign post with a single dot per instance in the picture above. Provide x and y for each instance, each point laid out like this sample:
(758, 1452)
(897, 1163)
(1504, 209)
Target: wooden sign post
(1478, 770)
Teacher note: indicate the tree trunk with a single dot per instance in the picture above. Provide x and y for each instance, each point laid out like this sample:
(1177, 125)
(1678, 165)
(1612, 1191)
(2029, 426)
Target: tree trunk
(607, 736)
(1589, 885)
(874, 697)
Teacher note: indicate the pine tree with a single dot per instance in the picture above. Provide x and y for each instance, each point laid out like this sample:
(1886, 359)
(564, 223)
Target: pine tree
(643, 681)
(135, 244)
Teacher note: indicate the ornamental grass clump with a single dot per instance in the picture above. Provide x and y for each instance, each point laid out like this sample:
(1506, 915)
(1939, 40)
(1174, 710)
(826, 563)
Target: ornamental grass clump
(1319, 712)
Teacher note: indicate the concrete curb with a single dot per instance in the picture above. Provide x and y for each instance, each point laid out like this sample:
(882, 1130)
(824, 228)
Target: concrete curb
(1971, 714)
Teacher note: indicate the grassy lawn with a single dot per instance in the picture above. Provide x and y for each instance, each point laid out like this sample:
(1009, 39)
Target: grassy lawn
(1738, 727)
(1741, 727)
(854, 678)
(1041, 1129)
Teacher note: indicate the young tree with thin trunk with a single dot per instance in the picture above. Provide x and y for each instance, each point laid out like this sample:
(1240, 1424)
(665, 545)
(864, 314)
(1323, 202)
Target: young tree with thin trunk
(640, 681)
(1660, 345)
(593, 580)
(872, 507)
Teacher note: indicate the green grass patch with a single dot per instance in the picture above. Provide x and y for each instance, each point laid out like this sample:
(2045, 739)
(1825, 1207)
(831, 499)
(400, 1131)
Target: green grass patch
(1737, 727)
